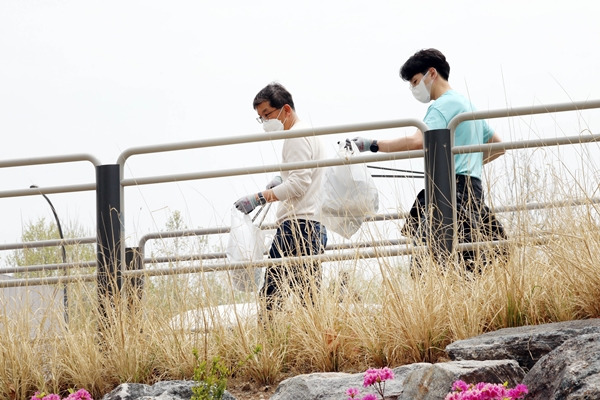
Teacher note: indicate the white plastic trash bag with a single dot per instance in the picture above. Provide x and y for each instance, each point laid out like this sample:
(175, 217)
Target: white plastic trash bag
(246, 243)
(349, 195)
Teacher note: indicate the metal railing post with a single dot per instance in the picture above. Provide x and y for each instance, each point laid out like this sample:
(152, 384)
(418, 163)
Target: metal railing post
(108, 222)
(439, 191)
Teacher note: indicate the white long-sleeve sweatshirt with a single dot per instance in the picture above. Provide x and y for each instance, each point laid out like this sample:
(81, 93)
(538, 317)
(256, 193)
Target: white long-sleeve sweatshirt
(299, 192)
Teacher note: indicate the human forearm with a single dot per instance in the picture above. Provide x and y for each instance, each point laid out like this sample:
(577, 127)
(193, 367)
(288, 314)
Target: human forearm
(491, 155)
(400, 144)
(269, 195)
(406, 143)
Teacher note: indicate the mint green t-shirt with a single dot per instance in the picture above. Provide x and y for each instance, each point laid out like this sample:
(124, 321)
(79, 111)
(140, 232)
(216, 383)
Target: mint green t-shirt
(439, 114)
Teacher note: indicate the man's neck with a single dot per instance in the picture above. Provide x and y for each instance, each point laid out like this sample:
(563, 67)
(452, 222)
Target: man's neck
(291, 121)
(438, 90)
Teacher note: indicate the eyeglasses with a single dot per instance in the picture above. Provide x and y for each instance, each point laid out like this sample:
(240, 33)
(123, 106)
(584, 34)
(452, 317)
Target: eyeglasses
(266, 117)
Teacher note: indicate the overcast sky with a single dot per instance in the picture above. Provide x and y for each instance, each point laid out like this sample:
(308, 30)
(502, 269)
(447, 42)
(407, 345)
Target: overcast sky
(99, 77)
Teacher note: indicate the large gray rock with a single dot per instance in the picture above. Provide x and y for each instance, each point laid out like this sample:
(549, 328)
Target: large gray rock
(570, 372)
(420, 381)
(434, 381)
(333, 385)
(166, 390)
(525, 344)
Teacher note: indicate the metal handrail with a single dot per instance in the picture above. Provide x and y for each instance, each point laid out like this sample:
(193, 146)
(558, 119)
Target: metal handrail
(48, 267)
(330, 247)
(357, 159)
(518, 111)
(22, 162)
(527, 144)
(225, 229)
(362, 158)
(52, 280)
(260, 137)
(342, 256)
(257, 137)
(47, 243)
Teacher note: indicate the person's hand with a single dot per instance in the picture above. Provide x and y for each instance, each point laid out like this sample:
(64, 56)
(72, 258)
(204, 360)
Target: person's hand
(274, 182)
(247, 203)
(363, 144)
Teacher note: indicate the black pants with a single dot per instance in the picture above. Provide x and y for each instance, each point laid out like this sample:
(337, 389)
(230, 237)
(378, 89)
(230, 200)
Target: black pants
(475, 222)
(294, 238)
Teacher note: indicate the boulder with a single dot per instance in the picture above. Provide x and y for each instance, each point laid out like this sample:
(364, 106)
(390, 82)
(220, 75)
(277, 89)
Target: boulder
(166, 390)
(333, 385)
(420, 381)
(525, 344)
(572, 371)
(434, 381)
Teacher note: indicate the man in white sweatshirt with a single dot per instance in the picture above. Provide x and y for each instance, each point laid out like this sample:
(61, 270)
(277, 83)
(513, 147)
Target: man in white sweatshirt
(299, 233)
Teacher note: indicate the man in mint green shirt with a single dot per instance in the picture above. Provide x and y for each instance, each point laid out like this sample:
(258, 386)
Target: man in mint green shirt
(439, 114)
(427, 71)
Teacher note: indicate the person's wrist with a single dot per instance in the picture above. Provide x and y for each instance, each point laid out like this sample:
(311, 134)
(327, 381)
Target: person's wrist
(374, 147)
(260, 199)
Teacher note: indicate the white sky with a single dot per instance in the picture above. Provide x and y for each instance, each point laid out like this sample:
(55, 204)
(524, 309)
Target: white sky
(100, 77)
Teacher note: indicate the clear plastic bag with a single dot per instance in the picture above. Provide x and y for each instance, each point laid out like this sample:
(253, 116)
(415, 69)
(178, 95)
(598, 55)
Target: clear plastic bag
(349, 195)
(245, 244)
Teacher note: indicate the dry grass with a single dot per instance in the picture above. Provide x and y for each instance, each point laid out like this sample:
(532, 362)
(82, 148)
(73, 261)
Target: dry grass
(384, 319)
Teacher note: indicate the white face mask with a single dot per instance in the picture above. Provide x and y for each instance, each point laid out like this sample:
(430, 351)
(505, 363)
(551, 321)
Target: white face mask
(273, 125)
(421, 92)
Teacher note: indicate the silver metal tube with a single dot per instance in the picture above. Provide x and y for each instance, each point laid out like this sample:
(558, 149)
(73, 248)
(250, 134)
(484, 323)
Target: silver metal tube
(46, 281)
(528, 110)
(358, 159)
(47, 190)
(527, 144)
(47, 243)
(262, 136)
(48, 267)
(21, 162)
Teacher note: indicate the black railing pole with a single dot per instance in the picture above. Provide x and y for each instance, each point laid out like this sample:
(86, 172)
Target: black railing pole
(108, 225)
(439, 191)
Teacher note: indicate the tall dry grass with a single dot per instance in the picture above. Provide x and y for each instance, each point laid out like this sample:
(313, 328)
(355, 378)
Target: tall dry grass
(386, 318)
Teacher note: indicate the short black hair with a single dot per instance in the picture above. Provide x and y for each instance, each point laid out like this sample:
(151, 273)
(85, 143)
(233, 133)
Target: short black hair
(276, 95)
(422, 60)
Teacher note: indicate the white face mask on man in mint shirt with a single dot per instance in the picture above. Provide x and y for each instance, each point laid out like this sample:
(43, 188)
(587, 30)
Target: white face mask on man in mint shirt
(421, 92)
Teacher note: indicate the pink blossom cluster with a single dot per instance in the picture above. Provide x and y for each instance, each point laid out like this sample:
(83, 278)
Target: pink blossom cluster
(372, 377)
(485, 391)
(81, 394)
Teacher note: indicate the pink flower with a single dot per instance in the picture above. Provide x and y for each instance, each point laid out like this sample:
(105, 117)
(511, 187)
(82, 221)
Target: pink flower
(485, 391)
(460, 386)
(373, 376)
(518, 392)
(81, 394)
(370, 397)
(352, 392)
